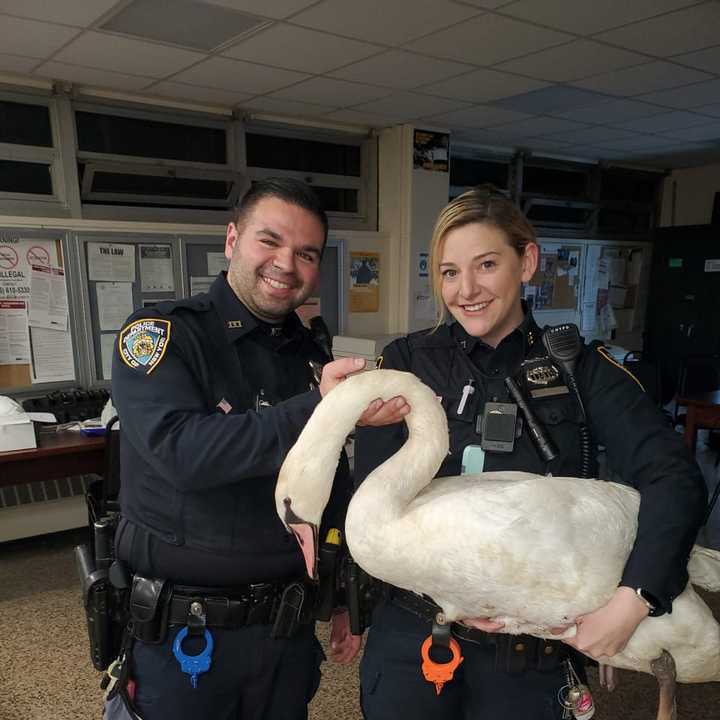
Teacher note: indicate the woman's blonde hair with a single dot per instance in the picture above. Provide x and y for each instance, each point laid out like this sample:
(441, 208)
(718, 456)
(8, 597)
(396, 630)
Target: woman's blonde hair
(483, 204)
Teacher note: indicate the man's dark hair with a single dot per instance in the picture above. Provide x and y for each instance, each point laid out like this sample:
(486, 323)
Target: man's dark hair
(290, 190)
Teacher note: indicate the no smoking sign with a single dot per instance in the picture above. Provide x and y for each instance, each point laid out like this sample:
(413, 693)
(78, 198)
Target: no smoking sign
(8, 257)
(37, 255)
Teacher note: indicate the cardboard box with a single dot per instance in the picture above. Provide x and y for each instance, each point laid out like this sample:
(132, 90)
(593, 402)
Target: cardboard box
(17, 435)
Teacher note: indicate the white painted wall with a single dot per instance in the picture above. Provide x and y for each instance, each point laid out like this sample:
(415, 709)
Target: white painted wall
(688, 196)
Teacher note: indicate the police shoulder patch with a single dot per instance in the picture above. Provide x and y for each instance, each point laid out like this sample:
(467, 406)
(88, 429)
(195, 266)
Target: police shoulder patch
(142, 343)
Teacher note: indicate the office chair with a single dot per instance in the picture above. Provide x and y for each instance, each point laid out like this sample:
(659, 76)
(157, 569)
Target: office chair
(698, 374)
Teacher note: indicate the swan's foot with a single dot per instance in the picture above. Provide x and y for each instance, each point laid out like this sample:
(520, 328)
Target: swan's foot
(608, 677)
(663, 669)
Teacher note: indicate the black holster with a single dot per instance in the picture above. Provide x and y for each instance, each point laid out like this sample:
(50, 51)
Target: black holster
(105, 609)
(358, 595)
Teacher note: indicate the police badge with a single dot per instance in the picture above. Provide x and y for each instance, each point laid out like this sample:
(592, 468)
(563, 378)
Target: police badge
(142, 344)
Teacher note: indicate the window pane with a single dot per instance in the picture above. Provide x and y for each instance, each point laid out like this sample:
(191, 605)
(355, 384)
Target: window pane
(337, 199)
(107, 182)
(149, 138)
(555, 182)
(312, 156)
(25, 177)
(557, 214)
(22, 124)
(469, 171)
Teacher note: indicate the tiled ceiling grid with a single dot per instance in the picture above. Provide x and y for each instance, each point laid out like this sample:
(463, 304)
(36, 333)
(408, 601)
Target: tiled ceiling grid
(637, 80)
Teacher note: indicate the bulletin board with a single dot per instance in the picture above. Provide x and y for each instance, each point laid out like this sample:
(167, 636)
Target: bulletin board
(121, 273)
(37, 323)
(556, 282)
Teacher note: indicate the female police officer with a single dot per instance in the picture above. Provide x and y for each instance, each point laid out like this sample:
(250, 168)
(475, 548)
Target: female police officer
(493, 356)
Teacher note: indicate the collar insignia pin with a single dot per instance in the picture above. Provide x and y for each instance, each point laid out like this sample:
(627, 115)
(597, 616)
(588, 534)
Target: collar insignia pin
(232, 324)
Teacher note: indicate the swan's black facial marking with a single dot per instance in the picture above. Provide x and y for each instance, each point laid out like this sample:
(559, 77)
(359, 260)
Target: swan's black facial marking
(290, 516)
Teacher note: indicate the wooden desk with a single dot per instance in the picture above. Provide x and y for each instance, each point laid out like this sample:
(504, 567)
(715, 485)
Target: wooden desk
(59, 455)
(703, 411)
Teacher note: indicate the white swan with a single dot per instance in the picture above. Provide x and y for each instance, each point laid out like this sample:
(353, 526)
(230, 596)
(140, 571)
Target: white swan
(533, 551)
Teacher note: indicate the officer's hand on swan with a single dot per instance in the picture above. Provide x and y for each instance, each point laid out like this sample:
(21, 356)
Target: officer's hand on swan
(378, 412)
(606, 631)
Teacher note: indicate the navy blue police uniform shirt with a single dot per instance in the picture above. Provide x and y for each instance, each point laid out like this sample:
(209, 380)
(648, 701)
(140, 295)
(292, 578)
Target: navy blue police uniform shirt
(210, 400)
(640, 445)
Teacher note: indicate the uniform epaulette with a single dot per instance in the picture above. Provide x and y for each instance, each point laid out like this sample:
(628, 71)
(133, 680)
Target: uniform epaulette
(197, 303)
(429, 338)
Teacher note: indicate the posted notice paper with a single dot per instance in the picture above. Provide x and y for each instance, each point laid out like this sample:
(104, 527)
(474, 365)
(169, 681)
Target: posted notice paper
(156, 269)
(111, 262)
(48, 298)
(115, 304)
(14, 344)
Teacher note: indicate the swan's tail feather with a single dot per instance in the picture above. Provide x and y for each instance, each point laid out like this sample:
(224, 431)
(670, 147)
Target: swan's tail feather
(704, 568)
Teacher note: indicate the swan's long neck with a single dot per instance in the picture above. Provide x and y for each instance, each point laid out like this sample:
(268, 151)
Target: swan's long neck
(414, 465)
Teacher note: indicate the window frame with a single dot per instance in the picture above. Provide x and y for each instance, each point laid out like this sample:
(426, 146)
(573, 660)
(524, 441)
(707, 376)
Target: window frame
(21, 203)
(366, 183)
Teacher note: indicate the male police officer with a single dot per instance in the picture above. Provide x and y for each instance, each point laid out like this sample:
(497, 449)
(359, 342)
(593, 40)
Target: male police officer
(212, 391)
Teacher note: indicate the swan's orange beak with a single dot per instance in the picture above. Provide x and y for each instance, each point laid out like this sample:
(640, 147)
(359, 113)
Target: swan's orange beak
(307, 536)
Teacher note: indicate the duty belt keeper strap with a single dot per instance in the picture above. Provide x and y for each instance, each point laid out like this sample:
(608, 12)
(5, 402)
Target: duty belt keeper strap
(515, 654)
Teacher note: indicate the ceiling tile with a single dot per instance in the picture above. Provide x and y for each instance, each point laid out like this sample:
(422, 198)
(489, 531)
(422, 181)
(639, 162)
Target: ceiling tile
(92, 76)
(689, 96)
(189, 23)
(392, 23)
(407, 106)
(488, 39)
(482, 86)
(484, 4)
(16, 64)
(708, 59)
(610, 111)
(400, 69)
(126, 55)
(167, 88)
(267, 103)
(68, 12)
(361, 118)
(548, 144)
(297, 48)
(277, 9)
(700, 133)
(328, 91)
(236, 75)
(478, 117)
(533, 127)
(712, 109)
(573, 61)
(665, 121)
(677, 32)
(589, 16)
(593, 135)
(656, 75)
(479, 137)
(552, 100)
(32, 38)
(641, 142)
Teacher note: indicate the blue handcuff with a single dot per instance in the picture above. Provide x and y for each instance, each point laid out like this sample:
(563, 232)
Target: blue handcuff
(193, 665)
